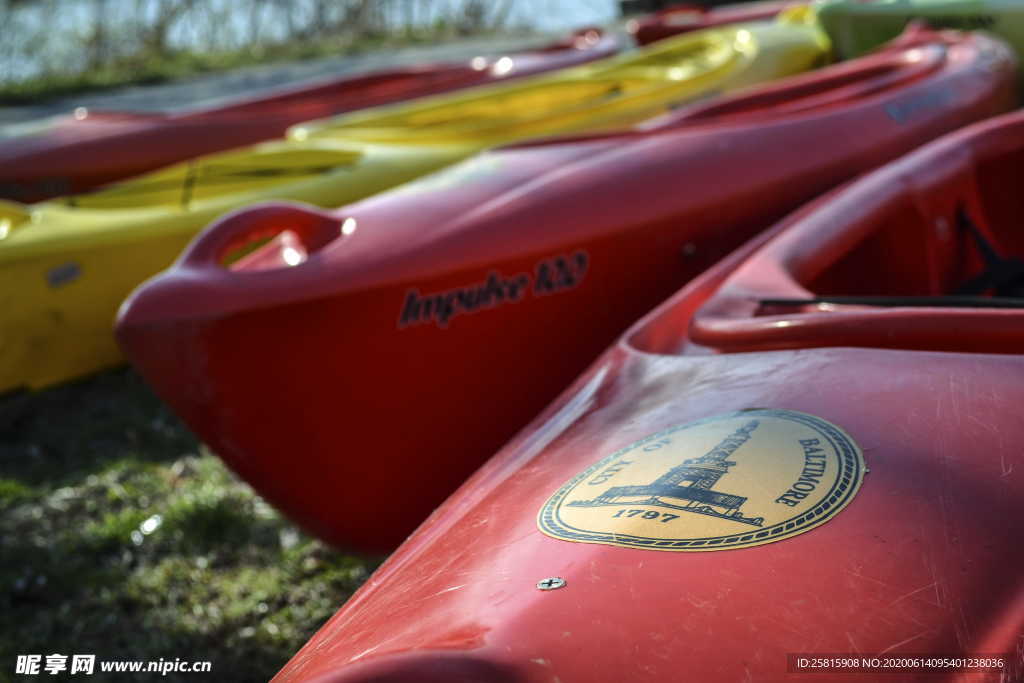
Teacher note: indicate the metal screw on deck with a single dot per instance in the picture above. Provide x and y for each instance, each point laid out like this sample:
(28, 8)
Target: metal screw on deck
(553, 583)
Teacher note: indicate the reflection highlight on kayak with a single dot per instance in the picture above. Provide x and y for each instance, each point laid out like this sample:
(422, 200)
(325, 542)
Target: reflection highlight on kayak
(292, 256)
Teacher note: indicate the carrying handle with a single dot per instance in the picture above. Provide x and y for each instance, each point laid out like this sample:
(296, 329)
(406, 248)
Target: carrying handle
(313, 228)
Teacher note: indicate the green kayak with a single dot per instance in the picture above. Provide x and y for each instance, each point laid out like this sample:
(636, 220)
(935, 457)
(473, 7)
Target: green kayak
(859, 26)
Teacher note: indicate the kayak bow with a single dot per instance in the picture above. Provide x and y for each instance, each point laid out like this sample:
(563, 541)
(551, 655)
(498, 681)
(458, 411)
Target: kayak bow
(90, 148)
(72, 261)
(857, 27)
(697, 504)
(404, 315)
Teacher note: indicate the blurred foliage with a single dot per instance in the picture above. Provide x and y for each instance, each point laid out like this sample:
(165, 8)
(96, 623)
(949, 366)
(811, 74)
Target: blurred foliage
(121, 537)
(54, 47)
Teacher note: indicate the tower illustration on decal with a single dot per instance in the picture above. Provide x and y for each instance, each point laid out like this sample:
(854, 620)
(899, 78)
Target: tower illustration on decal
(728, 481)
(690, 481)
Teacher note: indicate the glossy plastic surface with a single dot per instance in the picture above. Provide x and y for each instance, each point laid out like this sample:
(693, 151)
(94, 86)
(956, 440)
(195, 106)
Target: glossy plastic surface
(913, 212)
(91, 148)
(113, 239)
(447, 313)
(685, 17)
(924, 561)
(858, 26)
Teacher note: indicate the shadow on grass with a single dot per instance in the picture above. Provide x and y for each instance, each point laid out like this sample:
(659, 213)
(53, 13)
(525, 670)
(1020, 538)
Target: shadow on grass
(71, 430)
(119, 537)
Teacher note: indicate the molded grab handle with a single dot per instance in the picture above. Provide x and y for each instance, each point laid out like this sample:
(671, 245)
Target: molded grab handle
(313, 227)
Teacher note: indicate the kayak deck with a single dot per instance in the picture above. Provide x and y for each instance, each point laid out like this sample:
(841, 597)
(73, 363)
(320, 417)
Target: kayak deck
(491, 259)
(936, 262)
(921, 558)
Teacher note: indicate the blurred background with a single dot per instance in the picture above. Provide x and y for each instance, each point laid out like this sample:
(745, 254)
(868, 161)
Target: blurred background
(62, 45)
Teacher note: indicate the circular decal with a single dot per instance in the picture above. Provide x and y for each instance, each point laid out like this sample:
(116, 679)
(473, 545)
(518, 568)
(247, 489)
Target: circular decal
(730, 481)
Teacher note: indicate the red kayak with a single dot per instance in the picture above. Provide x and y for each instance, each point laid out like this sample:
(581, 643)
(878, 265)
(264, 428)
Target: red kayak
(370, 349)
(697, 507)
(683, 18)
(91, 148)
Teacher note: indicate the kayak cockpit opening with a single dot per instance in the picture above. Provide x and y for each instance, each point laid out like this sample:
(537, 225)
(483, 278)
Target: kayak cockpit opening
(622, 94)
(924, 254)
(828, 88)
(831, 302)
(183, 185)
(999, 284)
(949, 258)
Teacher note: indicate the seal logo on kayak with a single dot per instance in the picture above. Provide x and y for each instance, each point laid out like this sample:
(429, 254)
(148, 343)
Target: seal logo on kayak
(731, 481)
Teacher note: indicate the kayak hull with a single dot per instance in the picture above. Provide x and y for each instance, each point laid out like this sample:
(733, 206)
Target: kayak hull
(683, 18)
(64, 327)
(80, 152)
(904, 569)
(336, 161)
(525, 262)
(77, 264)
(858, 27)
(921, 564)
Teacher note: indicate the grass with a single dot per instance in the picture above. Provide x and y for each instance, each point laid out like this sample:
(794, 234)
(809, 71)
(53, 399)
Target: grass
(120, 536)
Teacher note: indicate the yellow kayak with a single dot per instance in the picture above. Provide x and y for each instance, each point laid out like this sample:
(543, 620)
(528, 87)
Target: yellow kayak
(66, 265)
